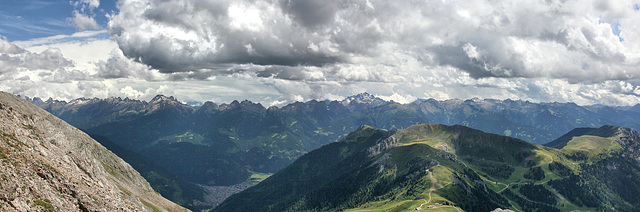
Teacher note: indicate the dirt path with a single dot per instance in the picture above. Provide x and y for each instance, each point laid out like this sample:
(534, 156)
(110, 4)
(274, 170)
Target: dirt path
(433, 185)
(504, 188)
(425, 201)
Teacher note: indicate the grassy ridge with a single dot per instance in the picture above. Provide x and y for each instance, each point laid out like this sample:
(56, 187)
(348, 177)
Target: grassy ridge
(458, 168)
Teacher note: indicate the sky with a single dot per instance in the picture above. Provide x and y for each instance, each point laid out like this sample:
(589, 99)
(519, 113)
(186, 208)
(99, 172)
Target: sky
(280, 51)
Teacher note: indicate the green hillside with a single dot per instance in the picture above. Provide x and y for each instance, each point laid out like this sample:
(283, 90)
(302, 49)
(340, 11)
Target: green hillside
(562, 140)
(453, 168)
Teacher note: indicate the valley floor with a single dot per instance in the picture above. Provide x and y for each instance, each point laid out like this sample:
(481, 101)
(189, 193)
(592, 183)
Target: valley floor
(217, 194)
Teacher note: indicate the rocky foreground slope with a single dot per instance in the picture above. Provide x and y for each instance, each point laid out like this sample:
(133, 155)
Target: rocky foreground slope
(48, 165)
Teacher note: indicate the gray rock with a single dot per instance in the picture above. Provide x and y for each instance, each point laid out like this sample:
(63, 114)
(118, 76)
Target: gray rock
(48, 165)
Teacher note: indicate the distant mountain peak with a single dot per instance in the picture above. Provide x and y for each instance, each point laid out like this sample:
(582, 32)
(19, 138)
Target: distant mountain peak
(35, 100)
(209, 104)
(162, 98)
(246, 102)
(207, 107)
(244, 105)
(54, 101)
(163, 103)
(79, 101)
(364, 98)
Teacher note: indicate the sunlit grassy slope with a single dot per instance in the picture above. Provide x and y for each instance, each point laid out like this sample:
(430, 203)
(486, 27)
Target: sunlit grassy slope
(449, 168)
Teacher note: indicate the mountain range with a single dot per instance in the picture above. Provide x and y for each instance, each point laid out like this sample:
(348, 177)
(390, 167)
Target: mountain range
(454, 168)
(49, 165)
(182, 147)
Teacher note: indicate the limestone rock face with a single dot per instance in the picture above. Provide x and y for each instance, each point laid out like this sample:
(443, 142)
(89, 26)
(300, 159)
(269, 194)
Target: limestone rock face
(48, 165)
(630, 140)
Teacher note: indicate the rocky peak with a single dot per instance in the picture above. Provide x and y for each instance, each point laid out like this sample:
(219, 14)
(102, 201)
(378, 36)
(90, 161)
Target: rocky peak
(252, 106)
(161, 103)
(209, 104)
(54, 101)
(81, 101)
(245, 105)
(207, 107)
(162, 98)
(35, 100)
(364, 99)
(475, 100)
(234, 104)
(630, 140)
(113, 99)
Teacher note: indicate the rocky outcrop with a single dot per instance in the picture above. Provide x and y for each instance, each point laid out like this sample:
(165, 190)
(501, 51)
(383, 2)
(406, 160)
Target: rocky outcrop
(383, 144)
(630, 140)
(48, 165)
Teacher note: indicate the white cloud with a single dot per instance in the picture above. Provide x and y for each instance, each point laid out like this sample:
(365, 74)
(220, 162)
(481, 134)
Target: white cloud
(118, 66)
(84, 15)
(45, 70)
(83, 51)
(82, 21)
(551, 39)
(128, 91)
(86, 4)
(15, 59)
(279, 51)
(402, 99)
(78, 36)
(245, 18)
(9, 48)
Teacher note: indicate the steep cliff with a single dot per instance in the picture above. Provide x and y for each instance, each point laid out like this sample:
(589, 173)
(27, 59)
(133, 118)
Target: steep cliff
(48, 165)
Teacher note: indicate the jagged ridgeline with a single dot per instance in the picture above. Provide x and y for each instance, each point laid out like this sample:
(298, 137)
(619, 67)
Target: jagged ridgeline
(176, 146)
(48, 165)
(454, 168)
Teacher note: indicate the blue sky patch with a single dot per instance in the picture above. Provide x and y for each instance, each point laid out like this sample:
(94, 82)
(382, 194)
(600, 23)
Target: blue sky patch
(24, 20)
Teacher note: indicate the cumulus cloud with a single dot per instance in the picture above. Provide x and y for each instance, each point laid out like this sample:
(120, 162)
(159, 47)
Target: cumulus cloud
(279, 51)
(188, 35)
(130, 92)
(47, 73)
(572, 40)
(84, 15)
(83, 21)
(14, 59)
(118, 66)
(9, 48)
(84, 5)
